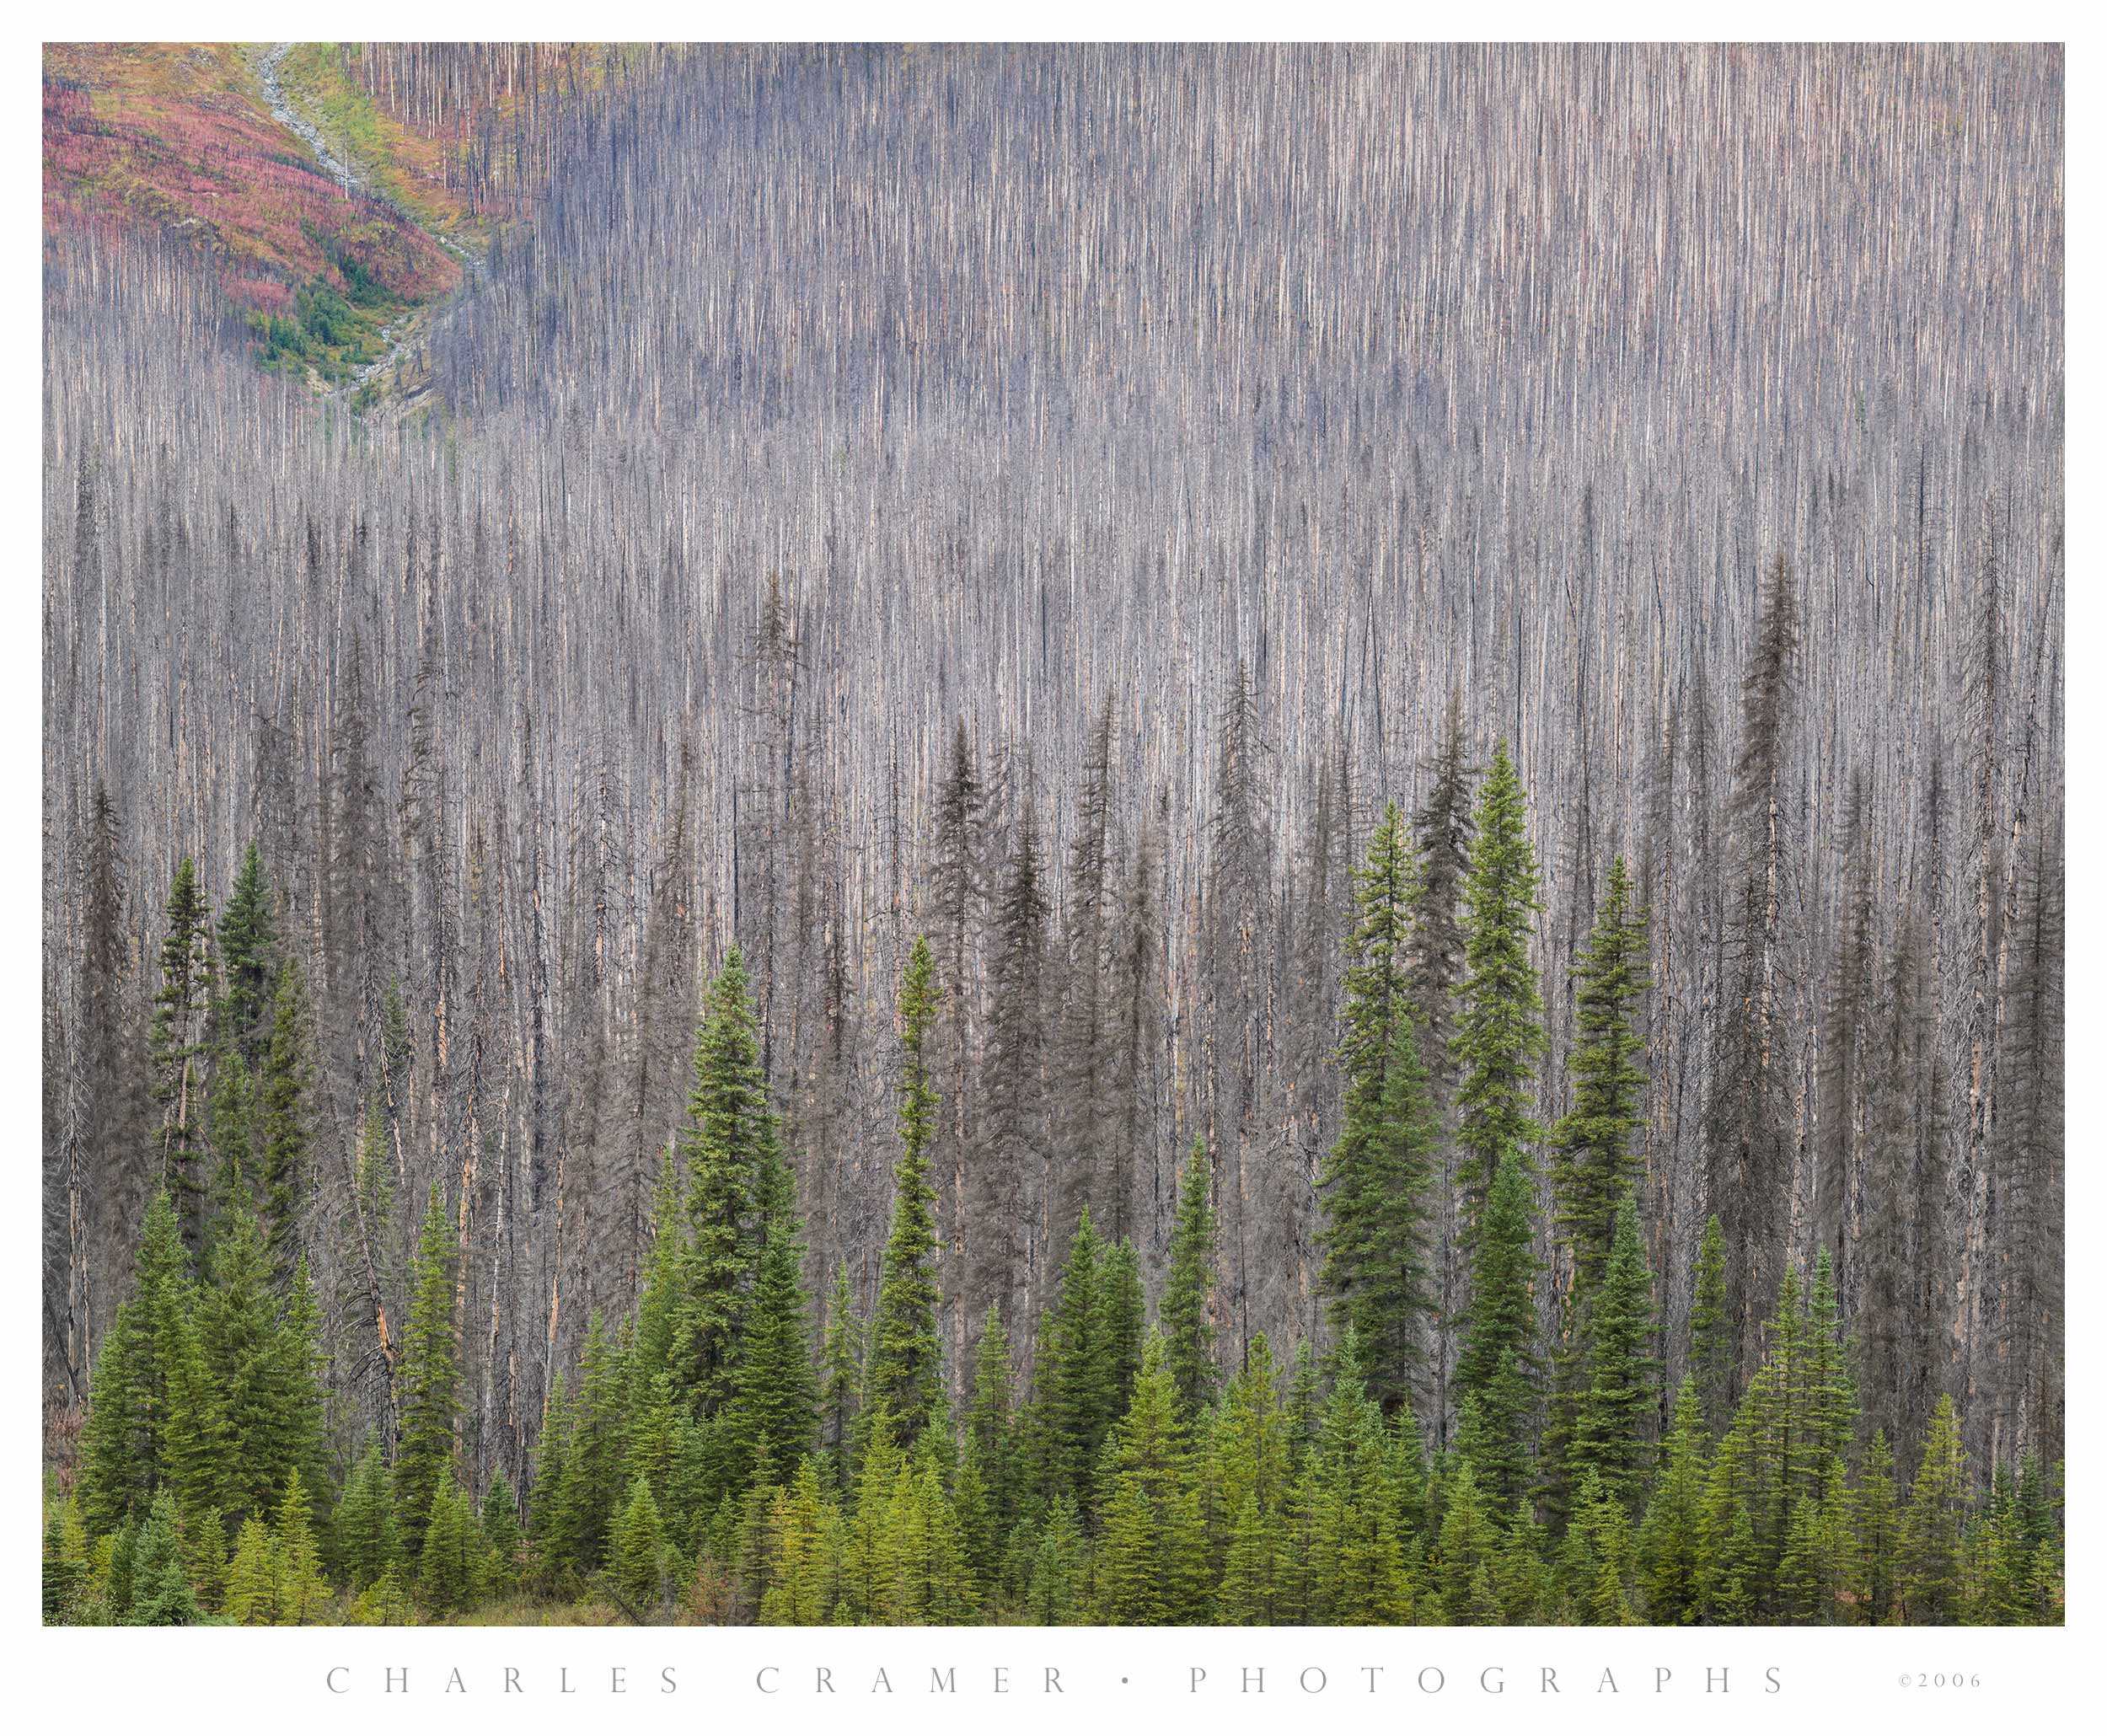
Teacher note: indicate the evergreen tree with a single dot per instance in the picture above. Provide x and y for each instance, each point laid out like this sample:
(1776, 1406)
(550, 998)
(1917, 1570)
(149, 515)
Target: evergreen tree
(841, 1375)
(1879, 1534)
(426, 1378)
(452, 1558)
(161, 1594)
(67, 1568)
(153, 1424)
(905, 1371)
(1121, 1326)
(1151, 1564)
(1711, 1334)
(1185, 1314)
(1672, 1566)
(728, 1146)
(251, 1600)
(182, 1007)
(231, 1127)
(929, 1580)
(366, 1543)
(1594, 1161)
(248, 959)
(775, 1407)
(304, 1594)
(1495, 1370)
(1358, 1572)
(1072, 1399)
(1464, 1555)
(203, 1538)
(1609, 1441)
(1931, 1525)
(501, 1533)
(1374, 1185)
(1830, 1395)
(801, 1590)
(264, 1395)
(660, 1296)
(988, 1457)
(1499, 1032)
(1057, 1589)
(554, 1522)
(1597, 1560)
(284, 1121)
(638, 1558)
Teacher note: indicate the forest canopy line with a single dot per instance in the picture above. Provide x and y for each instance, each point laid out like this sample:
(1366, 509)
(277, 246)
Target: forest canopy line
(1137, 878)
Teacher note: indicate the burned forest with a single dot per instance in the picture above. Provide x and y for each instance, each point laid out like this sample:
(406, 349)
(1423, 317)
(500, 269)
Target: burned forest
(1078, 833)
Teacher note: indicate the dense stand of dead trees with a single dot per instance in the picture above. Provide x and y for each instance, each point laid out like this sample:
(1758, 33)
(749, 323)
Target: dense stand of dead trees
(1050, 499)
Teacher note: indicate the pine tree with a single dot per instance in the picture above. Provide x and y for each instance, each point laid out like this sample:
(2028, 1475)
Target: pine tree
(153, 1424)
(841, 1376)
(1247, 1442)
(776, 1410)
(365, 1540)
(1249, 1594)
(304, 1594)
(264, 1397)
(989, 1457)
(554, 1520)
(1495, 1370)
(1499, 1032)
(1121, 1326)
(182, 1006)
(1879, 1534)
(66, 1569)
(231, 1128)
(1150, 1562)
(249, 961)
(284, 1095)
(1594, 1161)
(1185, 1314)
(1463, 1558)
(1830, 1396)
(1057, 1591)
(251, 1600)
(161, 1594)
(451, 1560)
(1521, 1582)
(1672, 1566)
(1609, 1441)
(202, 1535)
(1071, 1406)
(1357, 1566)
(929, 1582)
(1711, 1332)
(1931, 1525)
(660, 1296)
(801, 1590)
(1376, 1181)
(500, 1522)
(867, 1553)
(638, 1557)
(905, 1371)
(728, 1146)
(426, 1379)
